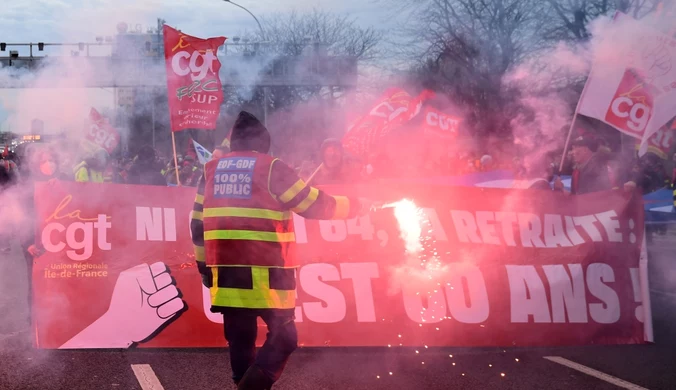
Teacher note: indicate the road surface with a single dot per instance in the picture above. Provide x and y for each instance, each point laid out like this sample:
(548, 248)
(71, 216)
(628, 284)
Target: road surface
(589, 367)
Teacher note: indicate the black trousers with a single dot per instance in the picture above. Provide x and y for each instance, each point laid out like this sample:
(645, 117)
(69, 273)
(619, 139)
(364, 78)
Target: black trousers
(29, 269)
(241, 330)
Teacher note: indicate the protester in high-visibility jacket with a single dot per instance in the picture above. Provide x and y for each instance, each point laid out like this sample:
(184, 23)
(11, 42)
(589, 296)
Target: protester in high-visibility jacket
(92, 168)
(242, 228)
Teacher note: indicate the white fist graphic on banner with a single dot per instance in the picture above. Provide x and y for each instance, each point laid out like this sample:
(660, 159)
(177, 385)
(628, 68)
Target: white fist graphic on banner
(143, 300)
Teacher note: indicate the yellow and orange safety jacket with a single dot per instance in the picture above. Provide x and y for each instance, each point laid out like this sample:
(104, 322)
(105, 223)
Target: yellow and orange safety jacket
(83, 173)
(242, 229)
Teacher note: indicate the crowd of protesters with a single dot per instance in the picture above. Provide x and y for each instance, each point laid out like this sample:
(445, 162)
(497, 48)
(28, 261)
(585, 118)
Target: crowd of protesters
(590, 162)
(45, 161)
(333, 166)
(336, 165)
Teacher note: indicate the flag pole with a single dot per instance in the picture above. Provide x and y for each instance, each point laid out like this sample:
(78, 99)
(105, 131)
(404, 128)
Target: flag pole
(565, 147)
(572, 123)
(173, 142)
(314, 173)
(577, 107)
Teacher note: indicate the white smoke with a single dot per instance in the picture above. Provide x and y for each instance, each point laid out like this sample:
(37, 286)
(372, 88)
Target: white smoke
(549, 85)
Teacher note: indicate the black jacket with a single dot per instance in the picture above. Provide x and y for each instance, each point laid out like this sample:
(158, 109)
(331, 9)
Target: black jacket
(593, 176)
(5, 178)
(146, 174)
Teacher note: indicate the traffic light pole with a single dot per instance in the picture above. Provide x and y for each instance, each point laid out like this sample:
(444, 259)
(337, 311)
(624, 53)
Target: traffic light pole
(152, 103)
(266, 97)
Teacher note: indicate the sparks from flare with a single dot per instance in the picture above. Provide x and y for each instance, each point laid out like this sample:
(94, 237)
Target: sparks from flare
(411, 219)
(422, 270)
(409, 216)
(423, 267)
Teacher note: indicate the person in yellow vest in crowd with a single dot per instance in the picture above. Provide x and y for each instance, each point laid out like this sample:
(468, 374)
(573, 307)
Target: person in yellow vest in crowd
(242, 229)
(187, 171)
(92, 168)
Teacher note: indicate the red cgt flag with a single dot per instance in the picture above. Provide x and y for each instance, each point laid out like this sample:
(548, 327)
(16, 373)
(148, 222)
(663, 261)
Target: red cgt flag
(438, 124)
(661, 142)
(195, 92)
(100, 132)
(394, 108)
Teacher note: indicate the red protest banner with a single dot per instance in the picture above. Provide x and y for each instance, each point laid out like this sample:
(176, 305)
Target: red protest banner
(195, 92)
(100, 133)
(487, 267)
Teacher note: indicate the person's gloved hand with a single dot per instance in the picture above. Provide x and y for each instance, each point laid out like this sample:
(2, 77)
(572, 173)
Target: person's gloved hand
(35, 250)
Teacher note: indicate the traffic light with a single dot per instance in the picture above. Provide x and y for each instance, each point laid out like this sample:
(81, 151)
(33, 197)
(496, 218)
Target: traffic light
(3, 46)
(41, 46)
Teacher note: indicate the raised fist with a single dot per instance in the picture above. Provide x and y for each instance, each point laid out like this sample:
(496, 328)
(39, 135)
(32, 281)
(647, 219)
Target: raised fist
(144, 299)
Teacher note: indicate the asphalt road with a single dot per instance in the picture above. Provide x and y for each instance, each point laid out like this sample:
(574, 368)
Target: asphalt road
(647, 366)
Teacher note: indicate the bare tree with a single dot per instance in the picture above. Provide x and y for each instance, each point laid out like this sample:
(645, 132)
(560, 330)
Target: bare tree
(297, 34)
(294, 33)
(640, 8)
(571, 18)
(302, 35)
(467, 47)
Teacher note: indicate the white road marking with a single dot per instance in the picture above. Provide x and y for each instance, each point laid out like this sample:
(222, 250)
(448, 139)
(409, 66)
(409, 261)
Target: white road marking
(596, 374)
(146, 377)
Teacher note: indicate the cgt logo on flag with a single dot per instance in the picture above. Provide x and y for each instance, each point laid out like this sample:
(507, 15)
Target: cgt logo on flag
(202, 153)
(631, 107)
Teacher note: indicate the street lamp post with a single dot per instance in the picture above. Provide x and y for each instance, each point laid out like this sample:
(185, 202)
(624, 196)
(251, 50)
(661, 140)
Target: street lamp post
(265, 89)
(252, 15)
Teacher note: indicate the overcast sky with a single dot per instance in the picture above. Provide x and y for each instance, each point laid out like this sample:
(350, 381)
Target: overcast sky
(82, 20)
